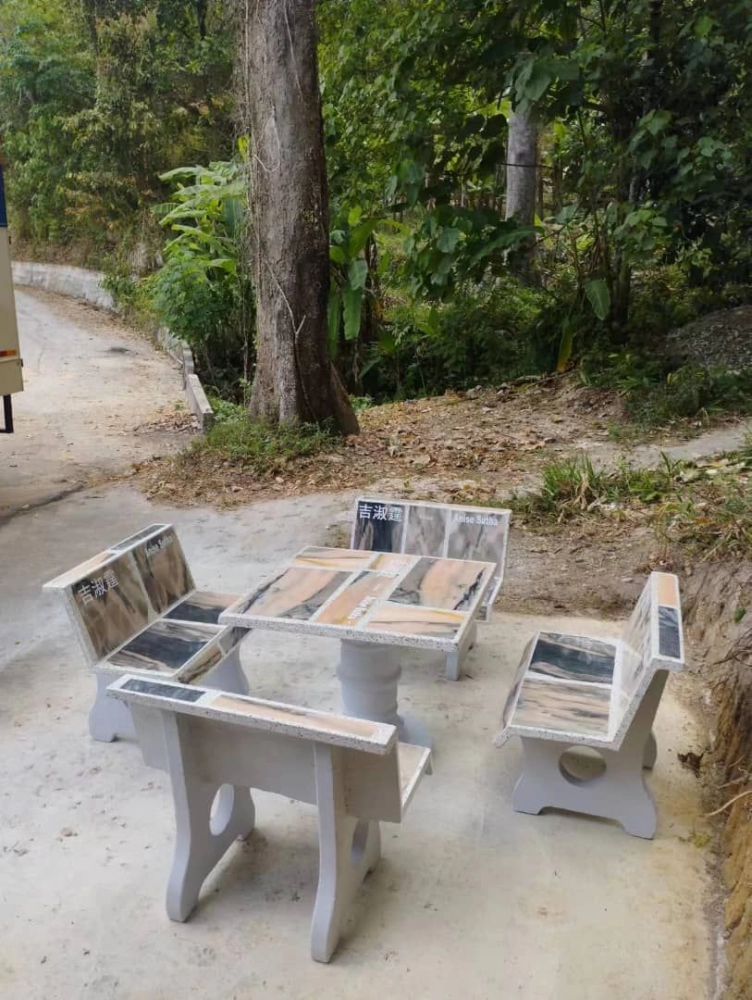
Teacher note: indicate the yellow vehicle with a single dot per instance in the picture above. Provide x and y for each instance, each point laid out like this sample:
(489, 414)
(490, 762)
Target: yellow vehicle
(11, 379)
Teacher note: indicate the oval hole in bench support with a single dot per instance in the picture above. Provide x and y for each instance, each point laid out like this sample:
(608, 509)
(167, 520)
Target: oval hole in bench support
(221, 809)
(580, 765)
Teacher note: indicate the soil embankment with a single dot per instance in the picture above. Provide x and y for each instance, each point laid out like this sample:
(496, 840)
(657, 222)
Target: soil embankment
(719, 614)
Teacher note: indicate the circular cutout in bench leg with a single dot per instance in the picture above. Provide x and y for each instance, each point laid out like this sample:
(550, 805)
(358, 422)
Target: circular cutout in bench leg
(221, 809)
(580, 765)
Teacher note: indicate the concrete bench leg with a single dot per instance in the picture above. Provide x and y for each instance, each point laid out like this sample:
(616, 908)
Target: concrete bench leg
(454, 661)
(228, 676)
(348, 850)
(619, 793)
(109, 719)
(200, 839)
(651, 752)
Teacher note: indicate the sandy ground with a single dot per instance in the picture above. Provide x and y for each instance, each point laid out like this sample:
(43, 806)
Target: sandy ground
(470, 901)
(96, 399)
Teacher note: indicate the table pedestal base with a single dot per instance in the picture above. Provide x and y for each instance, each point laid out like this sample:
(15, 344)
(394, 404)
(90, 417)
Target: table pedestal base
(369, 676)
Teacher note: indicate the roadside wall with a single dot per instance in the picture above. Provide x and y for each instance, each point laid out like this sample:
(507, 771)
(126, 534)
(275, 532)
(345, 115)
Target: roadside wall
(64, 280)
(88, 286)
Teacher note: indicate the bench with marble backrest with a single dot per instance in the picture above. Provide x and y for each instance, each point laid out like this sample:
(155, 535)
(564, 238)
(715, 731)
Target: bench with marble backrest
(579, 691)
(218, 746)
(450, 531)
(135, 608)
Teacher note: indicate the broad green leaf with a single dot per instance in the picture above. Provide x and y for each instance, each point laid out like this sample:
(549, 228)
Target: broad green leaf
(357, 273)
(448, 240)
(337, 254)
(333, 320)
(599, 297)
(352, 299)
(359, 236)
(703, 26)
(354, 216)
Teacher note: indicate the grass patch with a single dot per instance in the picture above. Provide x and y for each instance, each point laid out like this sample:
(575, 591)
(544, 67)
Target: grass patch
(573, 487)
(257, 446)
(656, 396)
(704, 508)
(692, 393)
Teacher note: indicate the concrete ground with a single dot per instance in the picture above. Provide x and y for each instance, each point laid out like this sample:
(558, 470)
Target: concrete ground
(94, 401)
(470, 901)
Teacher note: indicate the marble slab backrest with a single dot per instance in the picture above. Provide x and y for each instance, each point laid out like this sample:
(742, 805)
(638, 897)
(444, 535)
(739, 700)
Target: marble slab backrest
(251, 742)
(652, 640)
(433, 529)
(122, 590)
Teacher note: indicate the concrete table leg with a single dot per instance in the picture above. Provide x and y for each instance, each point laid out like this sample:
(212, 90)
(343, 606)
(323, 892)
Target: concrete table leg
(369, 676)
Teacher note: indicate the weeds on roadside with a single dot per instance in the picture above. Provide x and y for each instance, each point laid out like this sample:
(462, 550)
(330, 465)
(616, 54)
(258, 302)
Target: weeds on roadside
(656, 396)
(258, 446)
(573, 487)
(703, 507)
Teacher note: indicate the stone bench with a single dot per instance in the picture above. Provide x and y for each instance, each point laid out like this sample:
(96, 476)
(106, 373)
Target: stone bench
(438, 530)
(217, 746)
(135, 609)
(576, 691)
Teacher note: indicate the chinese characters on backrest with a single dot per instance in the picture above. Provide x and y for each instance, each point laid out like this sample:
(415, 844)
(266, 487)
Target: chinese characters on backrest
(120, 591)
(438, 530)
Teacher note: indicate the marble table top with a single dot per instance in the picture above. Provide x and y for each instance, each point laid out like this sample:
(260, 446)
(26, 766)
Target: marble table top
(392, 599)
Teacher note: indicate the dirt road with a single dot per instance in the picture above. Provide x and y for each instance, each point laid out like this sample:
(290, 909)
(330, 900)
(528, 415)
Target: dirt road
(98, 397)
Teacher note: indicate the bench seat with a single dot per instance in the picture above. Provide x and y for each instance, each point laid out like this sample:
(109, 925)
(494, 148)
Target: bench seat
(218, 746)
(564, 689)
(577, 690)
(136, 609)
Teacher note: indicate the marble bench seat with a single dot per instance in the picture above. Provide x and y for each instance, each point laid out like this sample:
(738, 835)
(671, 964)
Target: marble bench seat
(565, 686)
(135, 608)
(580, 691)
(217, 746)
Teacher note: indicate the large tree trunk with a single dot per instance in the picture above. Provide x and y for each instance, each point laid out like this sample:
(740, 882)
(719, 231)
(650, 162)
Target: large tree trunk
(294, 380)
(522, 187)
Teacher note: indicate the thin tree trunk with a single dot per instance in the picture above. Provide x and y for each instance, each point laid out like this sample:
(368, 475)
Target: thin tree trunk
(522, 152)
(522, 187)
(294, 380)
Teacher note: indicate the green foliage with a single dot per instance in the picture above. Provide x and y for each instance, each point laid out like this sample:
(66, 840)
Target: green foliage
(199, 293)
(485, 335)
(703, 508)
(644, 204)
(574, 487)
(259, 448)
(97, 99)
(657, 395)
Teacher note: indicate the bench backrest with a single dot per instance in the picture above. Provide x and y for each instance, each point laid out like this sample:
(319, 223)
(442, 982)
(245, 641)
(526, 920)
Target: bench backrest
(117, 593)
(251, 742)
(652, 640)
(434, 529)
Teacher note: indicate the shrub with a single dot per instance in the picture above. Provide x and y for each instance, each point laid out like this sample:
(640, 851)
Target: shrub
(260, 447)
(483, 335)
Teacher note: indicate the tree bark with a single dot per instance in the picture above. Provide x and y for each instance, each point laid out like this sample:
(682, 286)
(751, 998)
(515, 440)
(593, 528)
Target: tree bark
(294, 379)
(522, 187)
(522, 152)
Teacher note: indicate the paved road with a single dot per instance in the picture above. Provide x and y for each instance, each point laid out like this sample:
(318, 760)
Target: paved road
(96, 400)
(471, 901)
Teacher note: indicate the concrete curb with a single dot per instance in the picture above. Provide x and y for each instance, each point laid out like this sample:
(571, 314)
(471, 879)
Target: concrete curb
(88, 286)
